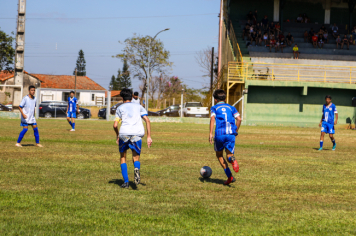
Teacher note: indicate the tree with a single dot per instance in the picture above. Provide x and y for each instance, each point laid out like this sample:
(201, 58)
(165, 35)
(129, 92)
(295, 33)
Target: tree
(173, 88)
(7, 52)
(81, 71)
(142, 66)
(123, 79)
(113, 83)
(153, 85)
(203, 58)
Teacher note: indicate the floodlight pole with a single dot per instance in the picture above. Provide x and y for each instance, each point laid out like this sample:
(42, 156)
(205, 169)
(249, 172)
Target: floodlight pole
(149, 65)
(108, 104)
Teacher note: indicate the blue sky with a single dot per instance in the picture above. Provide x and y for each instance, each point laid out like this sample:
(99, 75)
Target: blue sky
(81, 26)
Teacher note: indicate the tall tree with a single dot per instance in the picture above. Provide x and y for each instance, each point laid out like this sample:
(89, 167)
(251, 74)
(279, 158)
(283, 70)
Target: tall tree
(113, 83)
(123, 78)
(7, 52)
(81, 71)
(143, 64)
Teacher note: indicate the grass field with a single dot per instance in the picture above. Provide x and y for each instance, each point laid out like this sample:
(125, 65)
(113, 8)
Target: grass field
(71, 186)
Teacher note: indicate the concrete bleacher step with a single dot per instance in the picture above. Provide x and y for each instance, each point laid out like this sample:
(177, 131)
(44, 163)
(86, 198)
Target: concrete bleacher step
(316, 57)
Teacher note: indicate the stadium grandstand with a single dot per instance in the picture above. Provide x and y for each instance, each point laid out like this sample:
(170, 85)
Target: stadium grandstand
(279, 58)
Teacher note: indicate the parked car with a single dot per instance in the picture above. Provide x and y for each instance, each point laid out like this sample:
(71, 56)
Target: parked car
(5, 108)
(59, 109)
(102, 112)
(195, 109)
(172, 111)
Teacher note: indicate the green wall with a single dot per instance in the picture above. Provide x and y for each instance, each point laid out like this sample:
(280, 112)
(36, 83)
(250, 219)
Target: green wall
(284, 103)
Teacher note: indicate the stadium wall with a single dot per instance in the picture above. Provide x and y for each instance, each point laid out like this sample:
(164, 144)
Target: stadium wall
(295, 103)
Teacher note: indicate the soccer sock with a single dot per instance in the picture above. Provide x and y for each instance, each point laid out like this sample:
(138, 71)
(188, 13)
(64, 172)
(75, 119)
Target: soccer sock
(73, 125)
(229, 159)
(124, 172)
(137, 164)
(228, 172)
(37, 135)
(70, 123)
(22, 134)
(321, 143)
(333, 141)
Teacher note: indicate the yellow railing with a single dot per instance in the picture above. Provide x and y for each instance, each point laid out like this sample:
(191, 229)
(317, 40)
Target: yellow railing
(235, 45)
(240, 72)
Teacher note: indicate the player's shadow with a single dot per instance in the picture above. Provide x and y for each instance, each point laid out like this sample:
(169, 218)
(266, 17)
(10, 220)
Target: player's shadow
(120, 182)
(324, 149)
(215, 181)
(28, 145)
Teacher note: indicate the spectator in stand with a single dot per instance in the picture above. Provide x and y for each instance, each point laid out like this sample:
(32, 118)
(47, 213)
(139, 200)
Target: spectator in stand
(321, 41)
(335, 31)
(252, 29)
(246, 30)
(306, 36)
(272, 30)
(351, 40)
(300, 18)
(259, 37)
(278, 28)
(296, 52)
(253, 38)
(258, 27)
(323, 28)
(255, 16)
(273, 44)
(345, 40)
(315, 40)
(250, 16)
(290, 39)
(326, 36)
(265, 23)
(265, 38)
(353, 32)
(281, 36)
(338, 41)
(305, 18)
(282, 44)
(311, 34)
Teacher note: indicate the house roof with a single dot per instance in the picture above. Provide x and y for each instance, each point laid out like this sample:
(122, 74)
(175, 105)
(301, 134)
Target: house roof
(114, 93)
(67, 82)
(60, 81)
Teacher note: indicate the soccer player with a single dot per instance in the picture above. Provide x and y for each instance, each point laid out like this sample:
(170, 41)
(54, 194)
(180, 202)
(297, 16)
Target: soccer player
(135, 98)
(224, 116)
(27, 109)
(72, 110)
(131, 133)
(328, 120)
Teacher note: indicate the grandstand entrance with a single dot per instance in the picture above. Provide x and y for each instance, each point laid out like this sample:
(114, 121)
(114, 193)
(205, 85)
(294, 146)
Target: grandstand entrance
(256, 43)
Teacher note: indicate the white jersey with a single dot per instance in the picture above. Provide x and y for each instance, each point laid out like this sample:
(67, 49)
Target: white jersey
(28, 107)
(131, 114)
(136, 101)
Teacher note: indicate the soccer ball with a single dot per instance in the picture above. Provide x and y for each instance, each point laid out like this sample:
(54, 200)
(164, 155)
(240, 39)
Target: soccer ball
(206, 171)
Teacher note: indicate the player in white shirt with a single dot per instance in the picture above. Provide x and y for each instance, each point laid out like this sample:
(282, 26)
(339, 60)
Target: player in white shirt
(135, 98)
(27, 109)
(131, 133)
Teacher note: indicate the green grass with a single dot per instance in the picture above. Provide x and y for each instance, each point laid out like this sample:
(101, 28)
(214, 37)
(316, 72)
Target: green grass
(71, 186)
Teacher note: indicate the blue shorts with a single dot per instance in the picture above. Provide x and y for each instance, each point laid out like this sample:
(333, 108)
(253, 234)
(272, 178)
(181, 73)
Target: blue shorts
(226, 142)
(25, 124)
(132, 142)
(327, 128)
(72, 114)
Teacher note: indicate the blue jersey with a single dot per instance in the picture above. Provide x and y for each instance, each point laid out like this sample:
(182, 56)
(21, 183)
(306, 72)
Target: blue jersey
(329, 113)
(72, 102)
(225, 119)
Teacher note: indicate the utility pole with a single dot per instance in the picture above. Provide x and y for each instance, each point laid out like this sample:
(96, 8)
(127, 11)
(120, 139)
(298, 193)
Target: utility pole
(212, 75)
(20, 50)
(75, 83)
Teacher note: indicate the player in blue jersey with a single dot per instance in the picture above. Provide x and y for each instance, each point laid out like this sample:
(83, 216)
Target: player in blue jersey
(328, 121)
(225, 117)
(72, 110)
(131, 133)
(27, 109)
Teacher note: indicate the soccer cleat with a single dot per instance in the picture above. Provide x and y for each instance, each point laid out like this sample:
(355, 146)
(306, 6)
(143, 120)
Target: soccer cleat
(235, 165)
(229, 180)
(233, 179)
(137, 176)
(18, 145)
(320, 149)
(72, 130)
(39, 145)
(334, 147)
(125, 185)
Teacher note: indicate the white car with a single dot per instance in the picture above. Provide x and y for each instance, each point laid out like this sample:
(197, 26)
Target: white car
(195, 109)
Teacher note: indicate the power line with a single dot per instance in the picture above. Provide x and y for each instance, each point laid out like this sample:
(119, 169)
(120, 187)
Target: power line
(105, 18)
